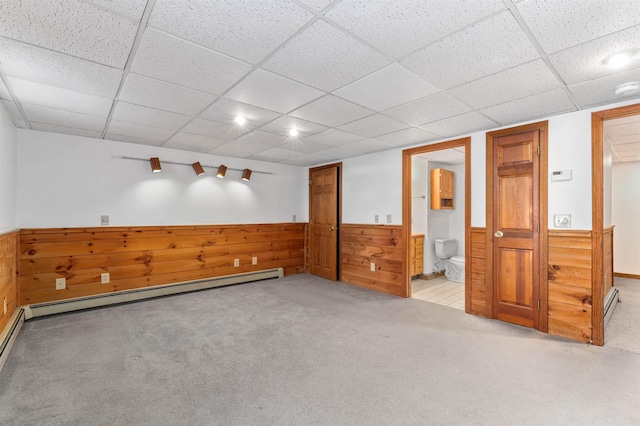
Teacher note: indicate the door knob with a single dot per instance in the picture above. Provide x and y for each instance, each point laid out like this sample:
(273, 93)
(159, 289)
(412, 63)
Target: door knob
(498, 234)
(333, 228)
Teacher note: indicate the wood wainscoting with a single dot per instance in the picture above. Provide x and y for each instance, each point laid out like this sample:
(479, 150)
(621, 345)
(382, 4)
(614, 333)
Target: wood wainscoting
(361, 245)
(570, 284)
(138, 257)
(8, 276)
(481, 298)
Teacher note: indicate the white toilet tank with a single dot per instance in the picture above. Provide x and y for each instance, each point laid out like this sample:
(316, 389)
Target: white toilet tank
(446, 248)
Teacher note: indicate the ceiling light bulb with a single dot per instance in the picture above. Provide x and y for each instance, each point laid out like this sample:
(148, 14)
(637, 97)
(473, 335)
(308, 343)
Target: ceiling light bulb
(240, 119)
(619, 60)
(628, 88)
(293, 133)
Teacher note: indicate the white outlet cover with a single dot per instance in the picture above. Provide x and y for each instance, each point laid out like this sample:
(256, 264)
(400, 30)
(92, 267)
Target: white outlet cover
(236, 262)
(373, 267)
(376, 219)
(389, 218)
(105, 278)
(254, 260)
(562, 220)
(61, 283)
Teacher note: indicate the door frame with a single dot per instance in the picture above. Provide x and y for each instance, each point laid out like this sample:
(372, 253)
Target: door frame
(407, 154)
(543, 294)
(597, 219)
(338, 239)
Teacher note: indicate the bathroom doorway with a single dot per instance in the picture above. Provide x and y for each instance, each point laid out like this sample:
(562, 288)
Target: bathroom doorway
(437, 215)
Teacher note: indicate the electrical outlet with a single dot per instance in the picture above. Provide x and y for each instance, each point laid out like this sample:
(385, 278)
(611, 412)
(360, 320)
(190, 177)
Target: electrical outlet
(294, 218)
(105, 278)
(373, 267)
(388, 218)
(254, 260)
(61, 283)
(5, 306)
(562, 220)
(236, 262)
(104, 220)
(376, 219)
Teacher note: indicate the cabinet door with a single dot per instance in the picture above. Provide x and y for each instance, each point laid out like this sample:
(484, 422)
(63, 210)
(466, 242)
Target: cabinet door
(446, 183)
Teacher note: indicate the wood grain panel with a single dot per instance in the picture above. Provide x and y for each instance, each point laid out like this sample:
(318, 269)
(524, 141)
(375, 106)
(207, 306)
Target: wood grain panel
(146, 256)
(362, 245)
(479, 305)
(570, 292)
(8, 276)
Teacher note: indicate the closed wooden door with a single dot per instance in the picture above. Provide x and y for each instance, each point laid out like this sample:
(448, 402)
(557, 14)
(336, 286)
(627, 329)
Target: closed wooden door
(323, 221)
(446, 183)
(516, 228)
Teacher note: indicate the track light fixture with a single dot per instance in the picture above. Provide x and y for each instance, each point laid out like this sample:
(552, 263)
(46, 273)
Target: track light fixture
(155, 165)
(246, 174)
(197, 167)
(222, 170)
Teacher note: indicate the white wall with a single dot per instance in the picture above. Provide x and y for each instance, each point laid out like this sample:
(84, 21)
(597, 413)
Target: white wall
(70, 181)
(456, 217)
(8, 167)
(419, 189)
(607, 162)
(625, 197)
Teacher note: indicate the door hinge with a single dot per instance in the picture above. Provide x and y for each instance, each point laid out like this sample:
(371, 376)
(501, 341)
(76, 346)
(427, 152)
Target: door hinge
(538, 227)
(538, 150)
(310, 182)
(538, 304)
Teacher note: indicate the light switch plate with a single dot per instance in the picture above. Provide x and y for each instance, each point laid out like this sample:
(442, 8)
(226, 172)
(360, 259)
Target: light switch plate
(105, 278)
(104, 220)
(562, 220)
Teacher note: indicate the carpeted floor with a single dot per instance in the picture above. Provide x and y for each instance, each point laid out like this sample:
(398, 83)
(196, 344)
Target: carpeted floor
(305, 351)
(623, 330)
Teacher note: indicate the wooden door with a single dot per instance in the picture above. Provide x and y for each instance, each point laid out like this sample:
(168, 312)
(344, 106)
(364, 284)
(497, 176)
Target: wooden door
(446, 182)
(323, 221)
(516, 228)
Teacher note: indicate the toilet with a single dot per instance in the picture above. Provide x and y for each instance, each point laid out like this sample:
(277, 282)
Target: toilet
(453, 265)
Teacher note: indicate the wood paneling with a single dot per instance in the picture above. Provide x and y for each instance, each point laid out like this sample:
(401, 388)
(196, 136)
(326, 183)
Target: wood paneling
(569, 291)
(479, 303)
(362, 245)
(8, 276)
(146, 256)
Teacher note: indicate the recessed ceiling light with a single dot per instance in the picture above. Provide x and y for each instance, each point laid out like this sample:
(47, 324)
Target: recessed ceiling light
(628, 88)
(619, 59)
(293, 133)
(240, 119)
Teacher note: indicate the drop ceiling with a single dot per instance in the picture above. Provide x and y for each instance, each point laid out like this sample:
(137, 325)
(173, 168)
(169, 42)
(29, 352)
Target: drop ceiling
(352, 76)
(623, 134)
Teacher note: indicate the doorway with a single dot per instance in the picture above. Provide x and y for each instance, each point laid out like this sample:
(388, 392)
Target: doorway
(325, 203)
(422, 224)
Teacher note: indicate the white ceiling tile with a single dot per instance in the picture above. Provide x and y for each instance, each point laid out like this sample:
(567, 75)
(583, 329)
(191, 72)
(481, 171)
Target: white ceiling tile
(72, 27)
(132, 8)
(373, 125)
(4, 92)
(445, 156)
(271, 91)
(518, 82)
(285, 123)
(626, 143)
(334, 137)
(400, 27)
(21, 124)
(170, 59)
(304, 146)
(394, 85)
(366, 146)
(249, 144)
(181, 147)
(124, 128)
(65, 130)
(561, 24)
(585, 62)
(56, 69)
(602, 90)
(306, 160)
(325, 57)
(248, 30)
(192, 141)
(132, 139)
(40, 94)
(628, 159)
(213, 129)
(541, 105)
(149, 116)
(430, 108)
(149, 92)
(226, 110)
(460, 124)
(13, 110)
(276, 154)
(316, 4)
(331, 111)
(63, 118)
(407, 137)
(483, 49)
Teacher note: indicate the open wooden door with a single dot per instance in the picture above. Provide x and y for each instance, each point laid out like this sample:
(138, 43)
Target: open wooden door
(515, 227)
(324, 195)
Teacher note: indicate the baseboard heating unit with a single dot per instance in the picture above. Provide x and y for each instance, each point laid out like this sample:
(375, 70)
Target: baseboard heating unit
(10, 334)
(610, 303)
(69, 305)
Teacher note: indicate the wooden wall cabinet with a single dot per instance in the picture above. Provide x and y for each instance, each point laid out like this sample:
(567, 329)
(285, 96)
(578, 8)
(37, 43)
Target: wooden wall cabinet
(416, 252)
(441, 189)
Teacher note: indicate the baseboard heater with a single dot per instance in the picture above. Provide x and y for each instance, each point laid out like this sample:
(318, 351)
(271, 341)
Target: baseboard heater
(9, 335)
(68, 305)
(610, 303)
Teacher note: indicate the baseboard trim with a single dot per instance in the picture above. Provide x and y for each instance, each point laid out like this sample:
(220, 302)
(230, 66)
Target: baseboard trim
(69, 305)
(634, 276)
(9, 335)
(431, 276)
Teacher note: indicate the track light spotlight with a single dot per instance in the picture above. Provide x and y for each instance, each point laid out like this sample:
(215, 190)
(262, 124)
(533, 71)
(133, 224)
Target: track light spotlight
(155, 165)
(197, 167)
(222, 170)
(246, 174)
